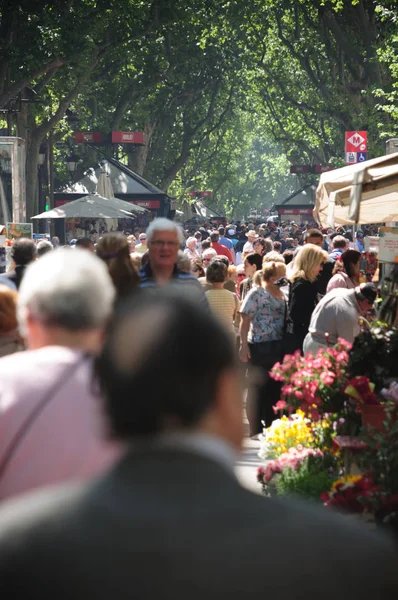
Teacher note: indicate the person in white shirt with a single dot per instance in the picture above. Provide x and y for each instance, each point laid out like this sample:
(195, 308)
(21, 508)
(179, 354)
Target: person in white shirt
(251, 237)
(337, 316)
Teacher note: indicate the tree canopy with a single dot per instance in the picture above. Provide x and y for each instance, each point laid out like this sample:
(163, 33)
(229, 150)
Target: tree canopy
(229, 94)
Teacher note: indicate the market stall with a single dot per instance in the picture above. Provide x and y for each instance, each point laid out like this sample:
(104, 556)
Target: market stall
(92, 215)
(360, 193)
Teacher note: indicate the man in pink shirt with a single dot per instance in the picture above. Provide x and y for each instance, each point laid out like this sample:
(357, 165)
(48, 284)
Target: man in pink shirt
(50, 417)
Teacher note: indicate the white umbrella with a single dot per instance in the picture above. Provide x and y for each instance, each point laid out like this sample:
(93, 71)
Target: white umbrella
(93, 206)
(104, 186)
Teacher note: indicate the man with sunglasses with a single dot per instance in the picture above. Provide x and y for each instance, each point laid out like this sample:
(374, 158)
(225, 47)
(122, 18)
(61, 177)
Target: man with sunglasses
(143, 245)
(164, 240)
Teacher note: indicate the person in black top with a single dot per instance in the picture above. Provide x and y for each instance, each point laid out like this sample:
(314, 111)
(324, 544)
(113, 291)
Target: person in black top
(315, 237)
(303, 295)
(23, 252)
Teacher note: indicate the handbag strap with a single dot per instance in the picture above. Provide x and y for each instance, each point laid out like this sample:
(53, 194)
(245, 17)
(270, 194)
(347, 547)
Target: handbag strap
(36, 412)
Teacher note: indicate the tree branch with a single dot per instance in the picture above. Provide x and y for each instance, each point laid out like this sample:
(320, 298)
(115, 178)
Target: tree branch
(15, 88)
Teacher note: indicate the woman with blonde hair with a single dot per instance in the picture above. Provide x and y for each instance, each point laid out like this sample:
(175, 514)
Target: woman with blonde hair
(114, 249)
(303, 297)
(263, 314)
(10, 340)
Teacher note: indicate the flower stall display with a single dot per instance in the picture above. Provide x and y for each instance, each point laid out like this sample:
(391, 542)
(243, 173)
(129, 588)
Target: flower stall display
(340, 394)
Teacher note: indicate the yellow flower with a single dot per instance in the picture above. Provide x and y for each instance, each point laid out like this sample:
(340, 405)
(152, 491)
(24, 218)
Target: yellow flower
(348, 480)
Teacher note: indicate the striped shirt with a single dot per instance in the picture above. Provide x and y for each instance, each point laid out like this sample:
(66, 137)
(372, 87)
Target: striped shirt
(223, 304)
(187, 282)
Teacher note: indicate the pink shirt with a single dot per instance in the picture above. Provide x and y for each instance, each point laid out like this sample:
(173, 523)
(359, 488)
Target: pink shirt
(66, 439)
(340, 280)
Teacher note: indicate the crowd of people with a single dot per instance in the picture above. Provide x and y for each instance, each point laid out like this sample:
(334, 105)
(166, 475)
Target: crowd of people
(120, 379)
(276, 288)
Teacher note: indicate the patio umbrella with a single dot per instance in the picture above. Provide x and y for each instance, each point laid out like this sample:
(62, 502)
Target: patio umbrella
(104, 186)
(93, 206)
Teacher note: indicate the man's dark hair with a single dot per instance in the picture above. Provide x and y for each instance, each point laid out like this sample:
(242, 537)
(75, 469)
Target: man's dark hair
(214, 236)
(277, 246)
(205, 245)
(288, 256)
(312, 233)
(148, 378)
(221, 230)
(84, 242)
(23, 251)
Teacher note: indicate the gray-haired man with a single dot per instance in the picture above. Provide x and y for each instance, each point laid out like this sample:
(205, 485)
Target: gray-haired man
(50, 426)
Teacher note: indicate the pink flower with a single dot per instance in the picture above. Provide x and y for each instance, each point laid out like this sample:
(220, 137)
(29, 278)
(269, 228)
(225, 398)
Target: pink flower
(299, 395)
(342, 357)
(287, 390)
(280, 405)
(327, 377)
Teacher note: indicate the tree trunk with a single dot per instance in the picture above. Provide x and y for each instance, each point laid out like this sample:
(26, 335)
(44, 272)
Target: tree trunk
(32, 158)
(138, 159)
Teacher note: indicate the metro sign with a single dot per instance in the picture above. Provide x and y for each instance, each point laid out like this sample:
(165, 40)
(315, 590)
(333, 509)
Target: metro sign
(356, 141)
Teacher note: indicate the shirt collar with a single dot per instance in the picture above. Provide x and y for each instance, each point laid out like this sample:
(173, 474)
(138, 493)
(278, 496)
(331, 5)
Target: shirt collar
(199, 443)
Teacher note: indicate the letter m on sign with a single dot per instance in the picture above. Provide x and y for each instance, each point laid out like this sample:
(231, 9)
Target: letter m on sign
(356, 141)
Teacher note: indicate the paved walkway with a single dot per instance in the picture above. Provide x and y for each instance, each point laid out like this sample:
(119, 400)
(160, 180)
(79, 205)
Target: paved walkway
(247, 465)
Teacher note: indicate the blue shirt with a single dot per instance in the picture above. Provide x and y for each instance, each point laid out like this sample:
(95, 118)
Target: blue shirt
(226, 242)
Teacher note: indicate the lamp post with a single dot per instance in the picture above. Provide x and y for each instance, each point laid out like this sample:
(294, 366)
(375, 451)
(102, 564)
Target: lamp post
(41, 202)
(72, 161)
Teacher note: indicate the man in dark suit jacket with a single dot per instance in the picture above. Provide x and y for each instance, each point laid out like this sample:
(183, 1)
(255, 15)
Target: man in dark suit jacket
(23, 252)
(171, 520)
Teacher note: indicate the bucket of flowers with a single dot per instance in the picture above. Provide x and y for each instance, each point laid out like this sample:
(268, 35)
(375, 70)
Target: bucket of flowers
(378, 411)
(315, 384)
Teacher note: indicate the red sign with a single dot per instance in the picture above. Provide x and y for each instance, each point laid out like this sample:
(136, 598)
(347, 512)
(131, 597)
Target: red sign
(356, 141)
(147, 203)
(295, 211)
(323, 168)
(128, 137)
(206, 194)
(300, 169)
(82, 137)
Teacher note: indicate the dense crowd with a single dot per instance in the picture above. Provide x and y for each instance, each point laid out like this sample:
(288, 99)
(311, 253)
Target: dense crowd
(119, 378)
(277, 288)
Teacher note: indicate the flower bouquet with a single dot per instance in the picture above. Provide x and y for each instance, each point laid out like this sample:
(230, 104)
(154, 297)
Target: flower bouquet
(285, 433)
(377, 411)
(314, 384)
(351, 494)
(304, 472)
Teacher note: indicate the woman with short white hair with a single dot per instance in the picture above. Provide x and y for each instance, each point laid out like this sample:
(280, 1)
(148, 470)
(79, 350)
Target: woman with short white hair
(191, 249)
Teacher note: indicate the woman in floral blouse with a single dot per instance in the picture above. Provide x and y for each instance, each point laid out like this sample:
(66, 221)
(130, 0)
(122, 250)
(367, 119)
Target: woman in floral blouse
(263, 314)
